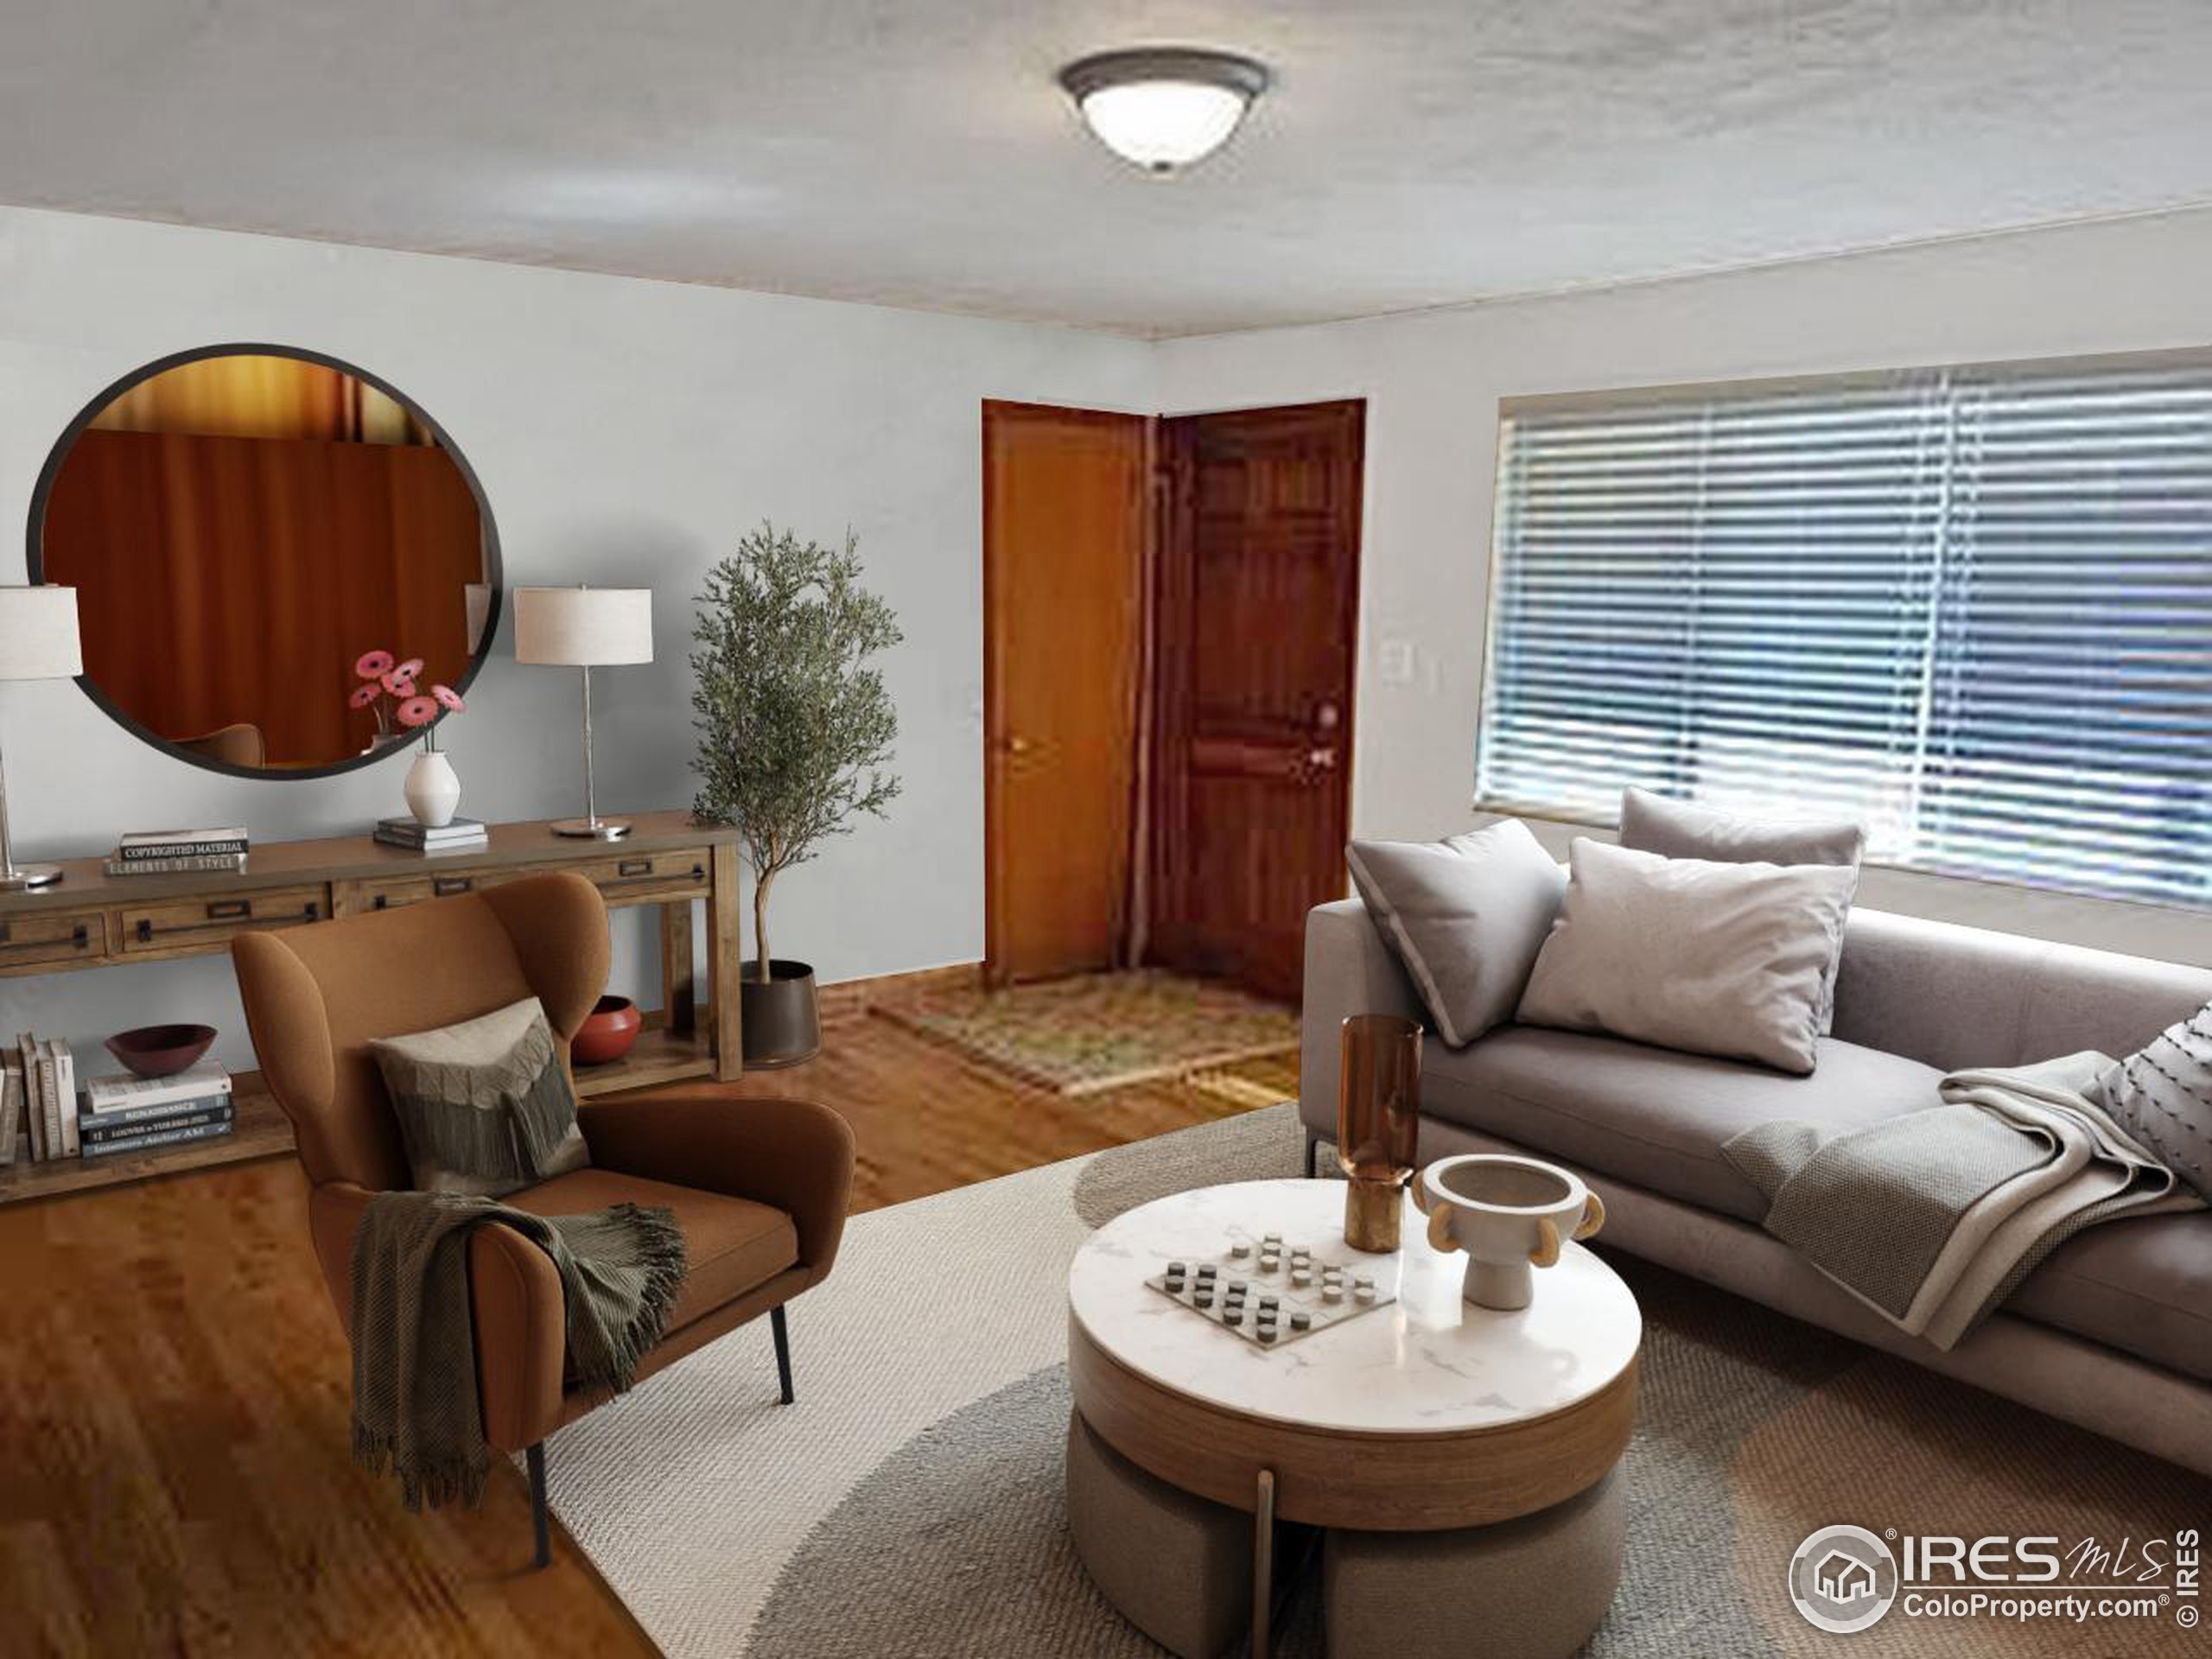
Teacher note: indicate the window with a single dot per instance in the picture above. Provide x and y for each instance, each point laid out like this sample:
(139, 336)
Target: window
(1970, 606)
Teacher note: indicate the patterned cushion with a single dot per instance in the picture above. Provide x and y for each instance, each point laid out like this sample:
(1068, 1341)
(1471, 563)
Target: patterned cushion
(485, 1107)
(2162, 1095)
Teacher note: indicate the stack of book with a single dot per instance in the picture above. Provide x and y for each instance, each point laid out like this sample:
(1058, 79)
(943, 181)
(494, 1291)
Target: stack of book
(125, 1114)
(38, 1100)
(180, 852)
(422, 838)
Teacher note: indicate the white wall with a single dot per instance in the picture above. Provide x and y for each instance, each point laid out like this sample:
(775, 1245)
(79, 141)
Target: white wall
(1433, 382)
(626, 432)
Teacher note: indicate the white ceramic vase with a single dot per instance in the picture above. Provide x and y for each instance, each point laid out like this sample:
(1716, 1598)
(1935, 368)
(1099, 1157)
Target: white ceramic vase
(433, 789)
(1510, 1215)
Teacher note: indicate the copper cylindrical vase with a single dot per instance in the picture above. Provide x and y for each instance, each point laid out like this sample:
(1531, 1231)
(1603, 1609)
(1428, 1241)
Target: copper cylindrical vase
(1378, 1124)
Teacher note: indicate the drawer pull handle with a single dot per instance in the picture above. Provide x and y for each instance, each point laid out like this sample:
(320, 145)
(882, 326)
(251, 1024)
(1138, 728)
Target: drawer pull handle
(444, 886)
(80, 936)
(697, 872)
(227, 910)
(308, 913)
(634, 867)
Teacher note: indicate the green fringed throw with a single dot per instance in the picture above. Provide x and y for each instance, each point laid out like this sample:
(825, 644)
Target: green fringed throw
(415, 1387)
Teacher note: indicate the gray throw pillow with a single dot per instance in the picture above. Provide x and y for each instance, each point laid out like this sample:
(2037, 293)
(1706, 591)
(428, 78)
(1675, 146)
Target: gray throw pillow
(1686, 953)
(2162, 1095)
(485, 1107)
(1653, 824)
(1466, 916)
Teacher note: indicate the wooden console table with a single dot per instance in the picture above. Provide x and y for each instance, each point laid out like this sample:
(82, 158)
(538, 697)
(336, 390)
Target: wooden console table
(91, 919)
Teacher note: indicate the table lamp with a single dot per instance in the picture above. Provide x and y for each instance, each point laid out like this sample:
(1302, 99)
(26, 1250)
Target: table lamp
(585, 628)
(38, 641)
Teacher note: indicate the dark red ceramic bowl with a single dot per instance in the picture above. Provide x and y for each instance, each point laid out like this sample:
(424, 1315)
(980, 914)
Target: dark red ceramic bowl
(607, 1032)
(161, 1050)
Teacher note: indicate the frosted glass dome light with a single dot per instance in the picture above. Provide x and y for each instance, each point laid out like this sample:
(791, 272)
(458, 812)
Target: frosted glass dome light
(1162, 107)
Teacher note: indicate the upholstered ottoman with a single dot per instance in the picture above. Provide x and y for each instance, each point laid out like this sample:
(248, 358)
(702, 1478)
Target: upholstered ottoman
(1535, 1587)
(1178, 1566)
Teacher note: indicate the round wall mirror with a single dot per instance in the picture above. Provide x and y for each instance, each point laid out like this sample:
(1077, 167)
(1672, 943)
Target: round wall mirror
(247, 527)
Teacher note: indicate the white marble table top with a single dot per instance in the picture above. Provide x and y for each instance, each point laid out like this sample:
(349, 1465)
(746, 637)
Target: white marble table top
(1429, 1363)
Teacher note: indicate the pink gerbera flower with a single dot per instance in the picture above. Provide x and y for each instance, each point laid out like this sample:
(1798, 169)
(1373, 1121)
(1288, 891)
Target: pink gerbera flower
(449, 698)
(409, 668)
(364, 695)
(417, 711)
(373, 664)
(399, 684)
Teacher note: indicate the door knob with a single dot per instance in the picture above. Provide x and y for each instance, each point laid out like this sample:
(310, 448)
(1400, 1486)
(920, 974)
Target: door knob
(1013, 745)
(1326, 717)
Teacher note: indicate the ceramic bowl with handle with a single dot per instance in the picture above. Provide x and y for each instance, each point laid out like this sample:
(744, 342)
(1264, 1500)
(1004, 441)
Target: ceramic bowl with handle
(1510, 1215)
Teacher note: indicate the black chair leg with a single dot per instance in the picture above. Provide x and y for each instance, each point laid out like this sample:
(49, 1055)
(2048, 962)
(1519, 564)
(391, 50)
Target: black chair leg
(1313, 1156)
(541, 1524)
(783, 1351)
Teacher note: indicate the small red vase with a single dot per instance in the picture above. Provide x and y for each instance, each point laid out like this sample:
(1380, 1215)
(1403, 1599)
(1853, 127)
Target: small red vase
(607, 1032)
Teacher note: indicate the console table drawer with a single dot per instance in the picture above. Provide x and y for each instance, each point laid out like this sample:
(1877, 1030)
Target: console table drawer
(649, 875)
(26, 941)
(403, 890)
(194, 924)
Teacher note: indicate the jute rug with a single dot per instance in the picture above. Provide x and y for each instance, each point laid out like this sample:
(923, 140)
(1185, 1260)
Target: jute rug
(1102, 1031)
(910, 1502)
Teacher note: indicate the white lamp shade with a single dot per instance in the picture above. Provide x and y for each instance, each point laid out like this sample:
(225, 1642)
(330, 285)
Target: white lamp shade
(38, 635)
(583, 628)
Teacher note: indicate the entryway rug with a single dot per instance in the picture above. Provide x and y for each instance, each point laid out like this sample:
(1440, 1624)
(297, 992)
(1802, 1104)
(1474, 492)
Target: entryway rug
(1103, 1031)
(911, 1502)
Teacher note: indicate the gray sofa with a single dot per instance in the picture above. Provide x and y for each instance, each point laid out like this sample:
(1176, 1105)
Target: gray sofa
(2113, 1332)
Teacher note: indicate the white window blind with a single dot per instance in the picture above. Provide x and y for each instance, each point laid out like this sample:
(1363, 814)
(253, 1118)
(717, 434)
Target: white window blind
(1972, 607)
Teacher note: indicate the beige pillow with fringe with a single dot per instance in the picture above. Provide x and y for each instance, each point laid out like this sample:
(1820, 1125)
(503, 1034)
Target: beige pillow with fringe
(485, 1107)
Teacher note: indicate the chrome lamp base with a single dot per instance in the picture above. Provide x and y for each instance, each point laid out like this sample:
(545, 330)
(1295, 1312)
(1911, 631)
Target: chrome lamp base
(591, 828)
(18, 877)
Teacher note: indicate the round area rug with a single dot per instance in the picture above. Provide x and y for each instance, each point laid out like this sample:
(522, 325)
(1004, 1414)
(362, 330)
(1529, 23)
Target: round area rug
(1257, 1146)
(912, 1502)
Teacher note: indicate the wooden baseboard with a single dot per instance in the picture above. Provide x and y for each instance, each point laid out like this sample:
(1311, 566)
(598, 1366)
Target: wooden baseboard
(850, 999)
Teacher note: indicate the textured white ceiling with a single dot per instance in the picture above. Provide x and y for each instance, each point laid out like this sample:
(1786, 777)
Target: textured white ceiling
(915, 152)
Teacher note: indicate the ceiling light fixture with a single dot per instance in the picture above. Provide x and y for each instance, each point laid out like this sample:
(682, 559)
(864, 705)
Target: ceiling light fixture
(1164, 107)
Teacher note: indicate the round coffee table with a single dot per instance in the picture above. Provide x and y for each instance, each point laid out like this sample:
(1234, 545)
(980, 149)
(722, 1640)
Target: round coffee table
(1426, 1415)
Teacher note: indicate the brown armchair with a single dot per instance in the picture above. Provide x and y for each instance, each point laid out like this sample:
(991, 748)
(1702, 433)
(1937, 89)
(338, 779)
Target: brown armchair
(759, 1187)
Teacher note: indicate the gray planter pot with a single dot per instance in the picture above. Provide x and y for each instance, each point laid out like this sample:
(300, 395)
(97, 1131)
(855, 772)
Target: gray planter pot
(783, 1026)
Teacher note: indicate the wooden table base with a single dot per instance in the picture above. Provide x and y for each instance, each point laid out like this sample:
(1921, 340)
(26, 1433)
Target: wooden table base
(1373, 1482)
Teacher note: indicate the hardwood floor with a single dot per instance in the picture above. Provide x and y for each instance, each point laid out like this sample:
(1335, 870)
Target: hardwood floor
(175, 1466)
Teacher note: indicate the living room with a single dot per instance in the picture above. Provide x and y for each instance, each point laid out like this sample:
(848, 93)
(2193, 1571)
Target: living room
(1782, 411)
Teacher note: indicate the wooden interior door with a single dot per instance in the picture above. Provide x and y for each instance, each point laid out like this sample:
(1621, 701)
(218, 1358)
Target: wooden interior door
(1065, 531)
(1256, 631)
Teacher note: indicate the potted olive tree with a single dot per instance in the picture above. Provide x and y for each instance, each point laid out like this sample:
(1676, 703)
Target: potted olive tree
(794, 731)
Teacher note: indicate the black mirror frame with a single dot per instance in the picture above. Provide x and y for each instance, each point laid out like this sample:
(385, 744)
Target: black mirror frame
(494, 574)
